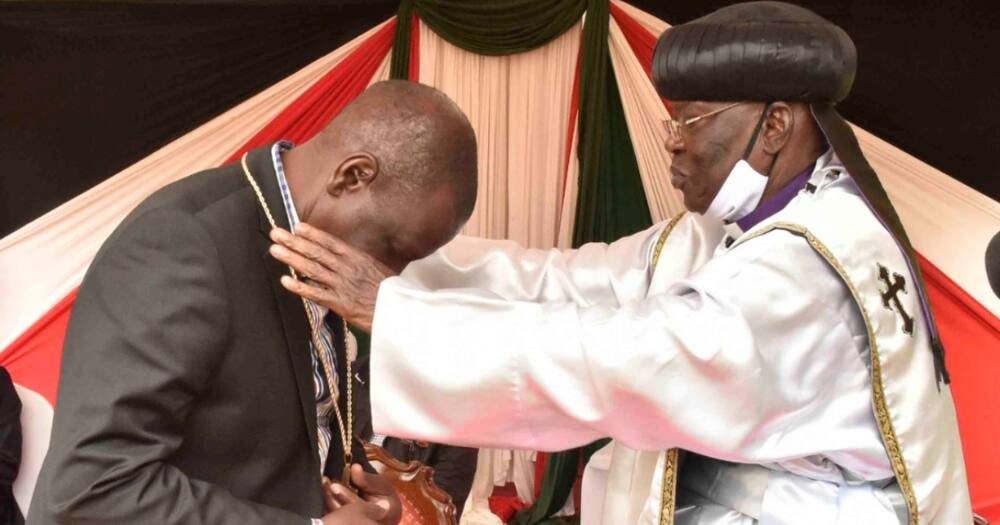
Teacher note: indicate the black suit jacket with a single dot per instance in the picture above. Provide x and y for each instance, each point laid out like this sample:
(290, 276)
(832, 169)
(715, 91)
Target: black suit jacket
(186, 392)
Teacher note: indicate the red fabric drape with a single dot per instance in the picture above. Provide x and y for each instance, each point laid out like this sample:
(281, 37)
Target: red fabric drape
(34, 358)
(415, 49)
(640, 40)
(971, 337)
(311, 112)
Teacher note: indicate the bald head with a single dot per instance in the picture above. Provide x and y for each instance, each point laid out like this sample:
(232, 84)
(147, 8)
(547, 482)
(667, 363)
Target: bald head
(421, 139)
(394, 174)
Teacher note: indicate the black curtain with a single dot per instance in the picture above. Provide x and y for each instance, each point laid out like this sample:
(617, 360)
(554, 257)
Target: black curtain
(88, 88)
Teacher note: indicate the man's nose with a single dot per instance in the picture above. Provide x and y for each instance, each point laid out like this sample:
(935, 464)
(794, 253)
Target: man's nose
(674, 143)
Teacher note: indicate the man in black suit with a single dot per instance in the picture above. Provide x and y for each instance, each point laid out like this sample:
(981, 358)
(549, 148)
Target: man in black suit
(195, 389)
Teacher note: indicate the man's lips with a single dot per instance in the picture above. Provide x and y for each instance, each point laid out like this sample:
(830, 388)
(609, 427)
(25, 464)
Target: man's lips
(677, 178)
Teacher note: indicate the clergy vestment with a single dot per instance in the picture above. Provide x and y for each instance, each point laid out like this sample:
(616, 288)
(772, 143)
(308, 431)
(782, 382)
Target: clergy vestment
(766, 356)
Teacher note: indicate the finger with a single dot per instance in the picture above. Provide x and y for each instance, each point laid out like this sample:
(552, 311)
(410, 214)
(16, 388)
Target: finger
(343, 496)
(374, 512)
(279, 231)
(316, 294)
(369, 483)
(303, 245)
(329, 502)
(311, 251)
(302, 264)
(316, 244)
(322, 238)
(374, 488)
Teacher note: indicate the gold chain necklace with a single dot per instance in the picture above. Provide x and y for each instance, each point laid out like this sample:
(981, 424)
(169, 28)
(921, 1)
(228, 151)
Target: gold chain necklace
(345, 432)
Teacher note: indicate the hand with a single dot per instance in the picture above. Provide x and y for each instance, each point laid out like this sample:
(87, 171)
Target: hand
(343, 507)
(344, 279)
(375, 491)
(379, 491)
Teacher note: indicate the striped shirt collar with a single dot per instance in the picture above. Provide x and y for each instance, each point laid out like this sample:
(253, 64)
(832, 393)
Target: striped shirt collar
(286, 198)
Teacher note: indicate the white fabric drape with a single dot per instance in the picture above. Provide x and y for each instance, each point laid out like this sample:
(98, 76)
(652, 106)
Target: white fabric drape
(651, 23)
(948, 222)
(571, 191)
(519, 106)
(382, 73)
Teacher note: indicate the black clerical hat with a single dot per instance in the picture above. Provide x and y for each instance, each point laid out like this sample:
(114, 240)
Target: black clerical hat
(761, 51)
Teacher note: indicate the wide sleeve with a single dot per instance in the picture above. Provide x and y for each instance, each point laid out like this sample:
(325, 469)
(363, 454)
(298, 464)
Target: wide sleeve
(595, 273)
(734, 362)
(149, 328)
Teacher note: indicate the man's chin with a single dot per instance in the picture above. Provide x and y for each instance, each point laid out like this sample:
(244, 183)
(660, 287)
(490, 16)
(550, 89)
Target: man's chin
(694, 207)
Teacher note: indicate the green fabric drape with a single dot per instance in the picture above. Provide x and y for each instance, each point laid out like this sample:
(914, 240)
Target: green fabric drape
(497, 27)
(557, 485)
(399, 65)
(364, 341)
(611, 202)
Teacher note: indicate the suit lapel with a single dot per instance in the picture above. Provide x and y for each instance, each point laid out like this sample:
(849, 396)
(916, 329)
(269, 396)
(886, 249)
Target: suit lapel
(290, 307)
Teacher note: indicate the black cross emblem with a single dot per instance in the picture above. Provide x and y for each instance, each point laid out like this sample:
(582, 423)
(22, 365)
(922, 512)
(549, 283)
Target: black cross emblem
(890, 296)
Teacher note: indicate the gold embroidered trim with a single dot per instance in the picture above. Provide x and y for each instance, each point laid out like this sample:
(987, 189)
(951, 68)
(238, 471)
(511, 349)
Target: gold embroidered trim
(669, 497)
(663, 238)
(882, 417)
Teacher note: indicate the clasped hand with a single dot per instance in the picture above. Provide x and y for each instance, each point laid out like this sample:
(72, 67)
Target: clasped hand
(375, 504)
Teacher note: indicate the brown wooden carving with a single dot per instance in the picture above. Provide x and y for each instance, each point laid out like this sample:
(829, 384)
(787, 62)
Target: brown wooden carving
(424, 503)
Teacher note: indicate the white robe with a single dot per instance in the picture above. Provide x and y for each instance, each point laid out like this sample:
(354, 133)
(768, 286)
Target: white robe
(757, 356)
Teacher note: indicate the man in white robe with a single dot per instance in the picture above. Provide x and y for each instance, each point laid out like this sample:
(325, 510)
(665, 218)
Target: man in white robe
(768, 358)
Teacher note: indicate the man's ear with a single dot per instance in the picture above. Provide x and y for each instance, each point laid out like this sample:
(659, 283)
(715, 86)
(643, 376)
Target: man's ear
(777, 128)
(354, 173)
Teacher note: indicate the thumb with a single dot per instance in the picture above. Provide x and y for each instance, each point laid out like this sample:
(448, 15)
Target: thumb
(374, 512)
(370, 484)
(359, 478)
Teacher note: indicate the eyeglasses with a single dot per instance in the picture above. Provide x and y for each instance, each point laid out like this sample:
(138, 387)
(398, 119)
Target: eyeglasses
(675, 127)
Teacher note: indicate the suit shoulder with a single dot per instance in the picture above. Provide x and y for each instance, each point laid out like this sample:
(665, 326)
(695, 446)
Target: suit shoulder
(176, 208)
(196, 192)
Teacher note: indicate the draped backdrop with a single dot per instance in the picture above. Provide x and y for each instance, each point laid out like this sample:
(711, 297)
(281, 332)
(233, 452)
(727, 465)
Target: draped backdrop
(570, 149)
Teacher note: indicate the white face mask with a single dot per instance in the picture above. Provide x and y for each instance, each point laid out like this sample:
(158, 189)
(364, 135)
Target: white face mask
(739, 194)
